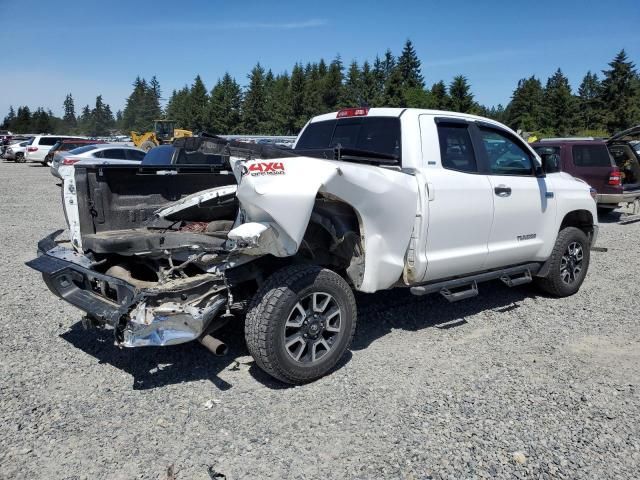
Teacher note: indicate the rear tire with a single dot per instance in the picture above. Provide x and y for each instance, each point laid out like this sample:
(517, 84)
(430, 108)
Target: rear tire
(568, 264)
(20, 158)
(300, 323)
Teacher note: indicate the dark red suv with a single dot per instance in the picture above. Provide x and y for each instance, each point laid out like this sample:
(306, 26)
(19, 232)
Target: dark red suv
(590, 160)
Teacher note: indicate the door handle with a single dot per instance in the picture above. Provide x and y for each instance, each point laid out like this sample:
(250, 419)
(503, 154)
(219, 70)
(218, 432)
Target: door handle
(502, 191)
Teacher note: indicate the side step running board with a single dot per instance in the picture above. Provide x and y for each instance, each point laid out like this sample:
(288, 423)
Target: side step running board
(513, 281)
(471, 291)
(466, 287)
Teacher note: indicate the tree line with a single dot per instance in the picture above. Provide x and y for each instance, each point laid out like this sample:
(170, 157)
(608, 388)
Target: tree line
(282, 103)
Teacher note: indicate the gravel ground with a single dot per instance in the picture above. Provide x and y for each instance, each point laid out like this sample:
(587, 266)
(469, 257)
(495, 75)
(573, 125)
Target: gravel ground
(508, 385)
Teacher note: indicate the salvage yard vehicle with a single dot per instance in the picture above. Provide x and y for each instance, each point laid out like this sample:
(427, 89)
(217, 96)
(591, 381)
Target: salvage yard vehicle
(66, 145)
(40, 145)
(99, 151)
(164, 132)
(16, 151)
(588, 159)
(367, 200)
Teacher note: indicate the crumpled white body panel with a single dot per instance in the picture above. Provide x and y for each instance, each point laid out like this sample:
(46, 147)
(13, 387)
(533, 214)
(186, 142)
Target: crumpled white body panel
(283, 197)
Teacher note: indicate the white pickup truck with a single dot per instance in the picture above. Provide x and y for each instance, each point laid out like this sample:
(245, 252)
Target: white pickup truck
(368, 199)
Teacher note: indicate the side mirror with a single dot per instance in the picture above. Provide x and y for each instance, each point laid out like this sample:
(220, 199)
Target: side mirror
(540, 173)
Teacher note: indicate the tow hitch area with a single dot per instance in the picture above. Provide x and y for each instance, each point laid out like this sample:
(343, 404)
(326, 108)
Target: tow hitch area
(142, 312)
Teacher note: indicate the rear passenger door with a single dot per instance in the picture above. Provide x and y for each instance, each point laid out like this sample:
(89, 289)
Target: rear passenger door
(459, 204)
(524, 207)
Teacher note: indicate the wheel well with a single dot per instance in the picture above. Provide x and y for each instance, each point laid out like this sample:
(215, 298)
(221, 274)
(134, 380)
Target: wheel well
(581, 219)
(333, 238)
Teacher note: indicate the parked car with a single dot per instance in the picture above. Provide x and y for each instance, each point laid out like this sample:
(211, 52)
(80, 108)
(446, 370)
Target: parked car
(16, 151)
(594, 161)
(66, 144)
(40, 145)
(100, 152)
(178, 154)
(367, 200)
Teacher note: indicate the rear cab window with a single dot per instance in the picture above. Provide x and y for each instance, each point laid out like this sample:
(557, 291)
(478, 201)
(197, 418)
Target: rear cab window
(379, 135)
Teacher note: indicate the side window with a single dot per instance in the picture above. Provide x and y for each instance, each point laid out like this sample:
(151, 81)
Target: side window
(114, 153)
(48, 141)
(506, 157)
(135, 155)
(550, 158)
(591, 156)
(456, 149)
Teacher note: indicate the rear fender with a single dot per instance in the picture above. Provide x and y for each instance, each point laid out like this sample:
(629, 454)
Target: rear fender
(280, 194)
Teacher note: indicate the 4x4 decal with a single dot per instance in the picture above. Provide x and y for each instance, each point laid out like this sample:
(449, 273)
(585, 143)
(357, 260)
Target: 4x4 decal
(263, 168)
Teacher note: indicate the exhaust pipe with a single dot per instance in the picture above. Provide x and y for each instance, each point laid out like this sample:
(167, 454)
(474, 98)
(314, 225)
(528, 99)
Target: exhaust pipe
(215, 346)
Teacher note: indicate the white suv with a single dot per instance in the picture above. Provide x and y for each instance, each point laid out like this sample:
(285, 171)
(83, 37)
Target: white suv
(40, 145)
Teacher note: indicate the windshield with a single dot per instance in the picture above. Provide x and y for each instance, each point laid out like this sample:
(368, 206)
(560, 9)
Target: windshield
(86, 148)
(160, 155)
(371, 134)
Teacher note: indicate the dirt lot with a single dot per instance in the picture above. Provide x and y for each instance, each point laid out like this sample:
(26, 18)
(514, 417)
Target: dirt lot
(508, 385)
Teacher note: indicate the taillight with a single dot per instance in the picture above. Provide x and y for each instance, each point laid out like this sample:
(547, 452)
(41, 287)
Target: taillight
(353, 112)
(70, 161)
(32, 149)
(614, 177)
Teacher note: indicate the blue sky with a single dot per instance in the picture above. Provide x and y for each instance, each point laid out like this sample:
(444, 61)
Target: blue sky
(89, 47)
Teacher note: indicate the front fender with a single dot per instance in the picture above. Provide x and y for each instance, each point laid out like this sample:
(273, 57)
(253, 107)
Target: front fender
(281, 194)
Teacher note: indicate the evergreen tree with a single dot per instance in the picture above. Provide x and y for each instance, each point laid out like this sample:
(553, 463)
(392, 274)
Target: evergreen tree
(9, 119)
(379, 81)
(590, 107)
(439, 96)
(297, 96)
(332, 85)
(525, 112)
(198, 105)
(40, 121)
(253, 106)
(178, 108)
(460, 96)
(313, 89)
(278, 106)
(369, 88)
(69, 120)
(409, 66)
(352, 91)
(22, 122)
(394, 90)
(559, 106)
(620, 94)
(225, 104)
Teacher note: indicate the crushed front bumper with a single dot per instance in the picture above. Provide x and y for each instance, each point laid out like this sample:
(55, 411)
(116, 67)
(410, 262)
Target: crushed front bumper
(163, 315)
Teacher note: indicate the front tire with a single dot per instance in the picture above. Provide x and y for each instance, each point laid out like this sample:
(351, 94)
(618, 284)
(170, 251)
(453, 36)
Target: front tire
(300, 323)
(569, 263)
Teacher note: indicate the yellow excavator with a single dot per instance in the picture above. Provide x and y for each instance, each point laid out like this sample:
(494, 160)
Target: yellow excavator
(164, 131)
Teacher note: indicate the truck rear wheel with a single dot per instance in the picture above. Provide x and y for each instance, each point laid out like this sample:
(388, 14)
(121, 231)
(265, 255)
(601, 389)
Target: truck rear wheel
(569, 263)
(300, 323)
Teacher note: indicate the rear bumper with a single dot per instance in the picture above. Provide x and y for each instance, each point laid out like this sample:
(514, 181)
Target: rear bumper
(616, 198)
(140, 317)
(68, 275)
